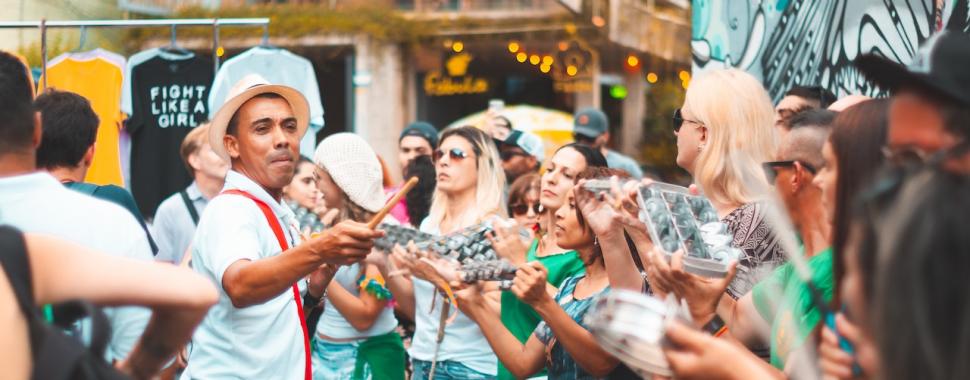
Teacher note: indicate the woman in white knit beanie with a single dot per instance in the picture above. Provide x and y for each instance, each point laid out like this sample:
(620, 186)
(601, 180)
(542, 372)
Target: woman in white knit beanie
(355, 337)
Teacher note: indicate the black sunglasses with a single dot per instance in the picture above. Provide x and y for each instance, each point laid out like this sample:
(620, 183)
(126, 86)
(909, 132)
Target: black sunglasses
(522, 209)
(905, 156)
(507, 154)
(679, 120)
(771, 168)
(454, 153)
(903, 164)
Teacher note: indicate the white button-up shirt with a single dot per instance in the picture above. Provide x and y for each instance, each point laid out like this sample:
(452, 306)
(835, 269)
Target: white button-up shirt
(173, 227)
(263, 341)
(38, 203)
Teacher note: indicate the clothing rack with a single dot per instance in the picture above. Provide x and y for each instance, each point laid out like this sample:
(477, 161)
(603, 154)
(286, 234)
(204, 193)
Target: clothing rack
(215, 23)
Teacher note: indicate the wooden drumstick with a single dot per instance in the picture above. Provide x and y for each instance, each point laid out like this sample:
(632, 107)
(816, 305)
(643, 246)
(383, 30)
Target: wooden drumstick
(393, 201)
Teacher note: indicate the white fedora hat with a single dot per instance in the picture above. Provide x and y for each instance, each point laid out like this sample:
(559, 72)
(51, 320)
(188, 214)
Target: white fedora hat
(247, 88)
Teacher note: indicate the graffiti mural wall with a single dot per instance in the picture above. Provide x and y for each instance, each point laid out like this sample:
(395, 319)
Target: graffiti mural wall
(790, 42)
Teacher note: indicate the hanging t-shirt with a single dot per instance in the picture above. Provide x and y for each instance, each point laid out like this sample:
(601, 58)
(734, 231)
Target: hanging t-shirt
(277, 66)
(124, 141)
(97, 76)
(168, 100)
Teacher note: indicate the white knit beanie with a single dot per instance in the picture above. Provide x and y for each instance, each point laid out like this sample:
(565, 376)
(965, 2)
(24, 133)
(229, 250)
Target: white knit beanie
(353, 165)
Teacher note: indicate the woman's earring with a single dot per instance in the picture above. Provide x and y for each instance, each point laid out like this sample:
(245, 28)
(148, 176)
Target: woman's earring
(700, 148)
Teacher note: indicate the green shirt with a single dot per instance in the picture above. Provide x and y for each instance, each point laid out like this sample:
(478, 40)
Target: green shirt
(785, 300)
(519, 317)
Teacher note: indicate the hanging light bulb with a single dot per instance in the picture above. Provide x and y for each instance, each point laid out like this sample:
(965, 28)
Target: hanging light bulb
(521, 57)
(571, 70)
(652, 78)
(534, 59)
(458, 46)
(632, 60)
(513, 47)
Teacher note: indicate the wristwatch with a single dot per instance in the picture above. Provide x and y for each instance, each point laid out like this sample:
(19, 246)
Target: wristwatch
(716, 326)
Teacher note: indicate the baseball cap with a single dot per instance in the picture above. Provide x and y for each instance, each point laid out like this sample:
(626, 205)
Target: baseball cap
(938, 67)
(247, 88)
(421, 129)
(527, 141)
(590, 122)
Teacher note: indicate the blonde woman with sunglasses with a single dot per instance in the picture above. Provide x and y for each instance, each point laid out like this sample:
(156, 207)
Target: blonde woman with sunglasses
(469, 190)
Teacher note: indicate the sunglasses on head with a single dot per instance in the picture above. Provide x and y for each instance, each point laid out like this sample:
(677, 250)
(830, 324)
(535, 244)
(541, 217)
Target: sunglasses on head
(679, 120)
(522, 209)
(454, 153)
(771, 168)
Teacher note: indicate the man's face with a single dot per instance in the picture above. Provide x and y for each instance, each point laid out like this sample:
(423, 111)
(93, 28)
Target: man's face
(266, 144)
(205, 161)
(411, 147)
(916, 126)
(515, 161)
(793, 185)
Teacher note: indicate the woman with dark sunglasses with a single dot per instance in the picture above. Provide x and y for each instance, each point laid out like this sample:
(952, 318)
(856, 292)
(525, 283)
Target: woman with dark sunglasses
(469, 190)
(557, 180)
(524, 204)
(722, 145)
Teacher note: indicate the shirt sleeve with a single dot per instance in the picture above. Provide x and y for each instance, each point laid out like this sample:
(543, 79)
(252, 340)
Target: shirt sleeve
(767, 293)
(231, 228)
(136, 112)
(543, 333)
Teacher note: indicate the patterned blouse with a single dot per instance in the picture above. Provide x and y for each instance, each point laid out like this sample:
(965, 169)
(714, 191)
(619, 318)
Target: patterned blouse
(560, 365)
(760, 247)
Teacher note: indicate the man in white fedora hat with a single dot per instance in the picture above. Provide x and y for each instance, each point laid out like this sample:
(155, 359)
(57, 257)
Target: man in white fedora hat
(248, 244)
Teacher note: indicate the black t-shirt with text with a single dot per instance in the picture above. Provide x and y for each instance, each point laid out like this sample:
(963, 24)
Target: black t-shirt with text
(169, 98)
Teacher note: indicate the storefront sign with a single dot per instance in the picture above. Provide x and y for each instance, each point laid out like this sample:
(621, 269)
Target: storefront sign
(457, 82)
(575, 72)
(572, 86)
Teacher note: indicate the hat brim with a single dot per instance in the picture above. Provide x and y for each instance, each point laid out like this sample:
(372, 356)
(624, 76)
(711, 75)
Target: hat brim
(219, 124)
(893, 76)
(587, 131)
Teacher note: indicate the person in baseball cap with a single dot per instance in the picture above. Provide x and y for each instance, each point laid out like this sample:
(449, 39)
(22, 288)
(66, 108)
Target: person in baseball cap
(419, 138)
(247, 242)
(521, 152)
(592, 127)
(930, 107)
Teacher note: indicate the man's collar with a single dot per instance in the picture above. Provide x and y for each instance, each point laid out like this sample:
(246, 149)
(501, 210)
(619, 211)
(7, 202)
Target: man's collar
(30, 181)
(194, 192)
(236, 180)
